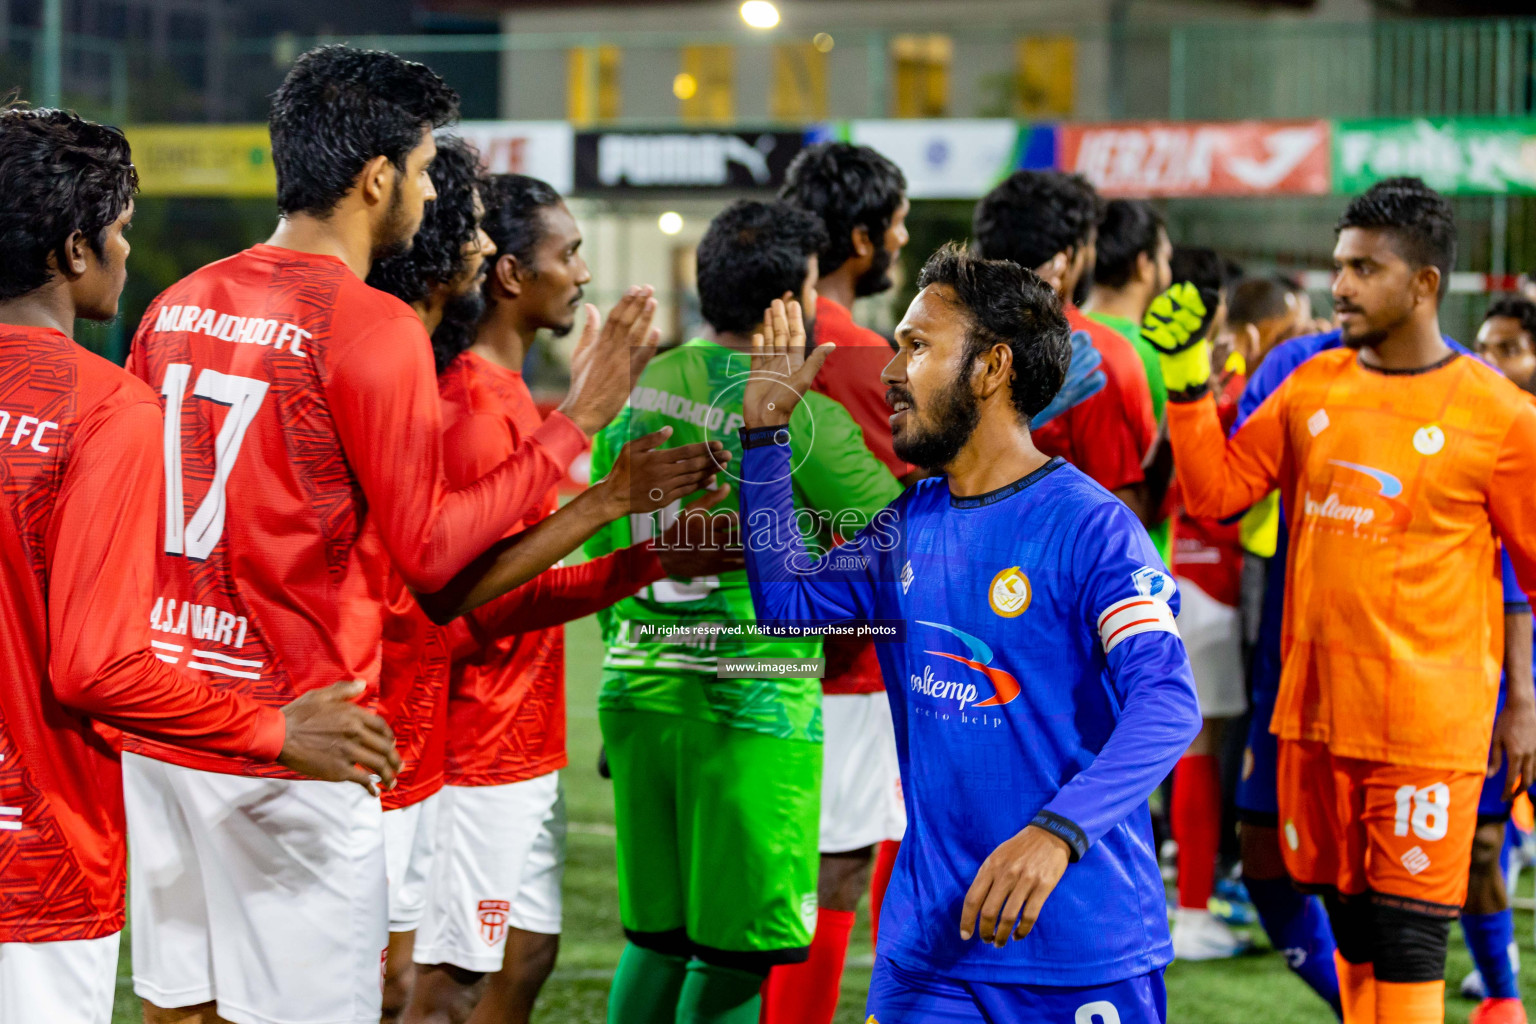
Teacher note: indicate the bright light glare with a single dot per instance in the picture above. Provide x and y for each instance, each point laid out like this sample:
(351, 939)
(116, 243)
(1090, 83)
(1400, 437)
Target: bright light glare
(685, 86)
(759, 14)
(670, 222)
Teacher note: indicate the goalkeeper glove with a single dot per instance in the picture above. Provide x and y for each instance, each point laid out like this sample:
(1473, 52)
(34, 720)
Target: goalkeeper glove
(1176, 325)
(1085, 378)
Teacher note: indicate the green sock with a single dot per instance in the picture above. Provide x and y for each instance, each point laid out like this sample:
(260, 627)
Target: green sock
(719, 995)
(646, 987)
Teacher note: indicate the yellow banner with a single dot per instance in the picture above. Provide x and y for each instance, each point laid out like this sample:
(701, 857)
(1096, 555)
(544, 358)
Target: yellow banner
(203, 160)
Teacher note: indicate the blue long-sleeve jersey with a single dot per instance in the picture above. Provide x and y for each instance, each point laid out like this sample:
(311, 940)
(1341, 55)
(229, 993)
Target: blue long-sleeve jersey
(1040, 680)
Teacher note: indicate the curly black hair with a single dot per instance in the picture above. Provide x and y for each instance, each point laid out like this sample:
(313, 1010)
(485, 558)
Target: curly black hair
(1129, 228)
(1417, 217)
(341, 107)
(1205, 268)
(447, 227)
(752, 253)
(1516, 307)
(1008, 304)
(59, 174)
(848, 187)
(512, 215)
(1033, 215)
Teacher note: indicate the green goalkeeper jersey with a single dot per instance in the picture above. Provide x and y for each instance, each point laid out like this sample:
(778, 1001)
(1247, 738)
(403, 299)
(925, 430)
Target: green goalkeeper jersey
(696, 389)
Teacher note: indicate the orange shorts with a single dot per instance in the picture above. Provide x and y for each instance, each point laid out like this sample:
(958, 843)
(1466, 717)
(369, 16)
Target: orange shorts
(1390, 829)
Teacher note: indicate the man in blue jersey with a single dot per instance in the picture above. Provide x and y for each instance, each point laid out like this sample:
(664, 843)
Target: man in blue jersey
(1038, 685)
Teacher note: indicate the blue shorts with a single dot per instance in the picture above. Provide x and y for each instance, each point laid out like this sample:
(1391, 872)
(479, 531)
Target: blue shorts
(1492, 806)
(1257, 796)
(899, 995)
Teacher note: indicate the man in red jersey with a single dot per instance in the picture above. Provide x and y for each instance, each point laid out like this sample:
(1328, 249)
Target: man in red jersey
(1101, 421)
(79, 457)
(493, 906)
(301, 407)
(861, 198)
(440, 276)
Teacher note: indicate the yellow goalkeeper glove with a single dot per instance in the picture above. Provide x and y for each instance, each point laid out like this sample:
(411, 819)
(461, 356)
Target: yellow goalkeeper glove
(1176, 325)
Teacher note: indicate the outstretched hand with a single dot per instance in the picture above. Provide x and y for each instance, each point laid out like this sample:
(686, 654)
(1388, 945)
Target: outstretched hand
(646, 477)
(609, 357)
(781, 371)
(701, 543)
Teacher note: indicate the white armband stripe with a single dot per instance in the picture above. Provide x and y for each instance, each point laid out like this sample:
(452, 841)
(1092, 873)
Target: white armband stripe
(1124, 619)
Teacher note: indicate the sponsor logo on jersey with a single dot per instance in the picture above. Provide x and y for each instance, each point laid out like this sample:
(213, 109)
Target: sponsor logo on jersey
(1429, 439)
(1010, 593)
(1004, 687)
(1317, 423)
(1372, 502)
(906, 577)
(1150, 582)
(1416, 861)
(493, 920)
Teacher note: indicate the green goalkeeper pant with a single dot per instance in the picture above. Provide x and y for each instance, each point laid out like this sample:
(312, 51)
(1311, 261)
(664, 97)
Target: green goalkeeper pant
(717, 838)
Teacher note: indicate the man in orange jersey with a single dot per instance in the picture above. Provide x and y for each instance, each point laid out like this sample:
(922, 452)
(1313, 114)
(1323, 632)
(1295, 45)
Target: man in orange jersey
(1403, 464)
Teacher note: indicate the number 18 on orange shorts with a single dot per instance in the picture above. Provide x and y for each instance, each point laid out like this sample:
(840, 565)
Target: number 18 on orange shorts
(1396, 830)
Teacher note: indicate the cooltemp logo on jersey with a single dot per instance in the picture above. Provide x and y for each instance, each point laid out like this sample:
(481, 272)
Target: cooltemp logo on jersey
(1004, 687)
(1364, 504)
(241, 330)
(1010, 594)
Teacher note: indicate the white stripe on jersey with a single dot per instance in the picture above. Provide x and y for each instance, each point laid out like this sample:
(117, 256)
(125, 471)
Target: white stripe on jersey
(1124, 619)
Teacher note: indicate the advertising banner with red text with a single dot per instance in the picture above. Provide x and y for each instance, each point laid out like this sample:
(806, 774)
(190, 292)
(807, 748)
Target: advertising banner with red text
(1234, 158)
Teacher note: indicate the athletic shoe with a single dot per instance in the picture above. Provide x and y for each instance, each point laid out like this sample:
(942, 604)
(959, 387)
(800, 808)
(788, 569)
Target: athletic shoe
(1472, 987)
(1498, 1011)
(1198, 935)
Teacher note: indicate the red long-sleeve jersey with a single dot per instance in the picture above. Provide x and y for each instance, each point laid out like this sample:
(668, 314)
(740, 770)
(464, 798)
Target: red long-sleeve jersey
(506, 700)
(301, 406)
(414, 682)
(80, 478)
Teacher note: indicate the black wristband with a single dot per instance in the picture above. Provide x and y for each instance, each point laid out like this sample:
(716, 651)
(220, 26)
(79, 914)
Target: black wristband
(1066, 830)
(761, 437)
(1193, 394)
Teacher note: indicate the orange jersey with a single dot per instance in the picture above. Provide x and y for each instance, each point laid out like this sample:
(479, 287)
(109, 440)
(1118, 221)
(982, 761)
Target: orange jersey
(1396, 486)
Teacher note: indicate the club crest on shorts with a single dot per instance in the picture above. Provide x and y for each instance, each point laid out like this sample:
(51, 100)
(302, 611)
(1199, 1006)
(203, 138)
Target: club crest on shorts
(493, 920)
(1010, 593)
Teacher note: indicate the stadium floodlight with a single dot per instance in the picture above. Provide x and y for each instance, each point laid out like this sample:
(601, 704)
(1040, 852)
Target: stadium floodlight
(670, 222)
(759, 14)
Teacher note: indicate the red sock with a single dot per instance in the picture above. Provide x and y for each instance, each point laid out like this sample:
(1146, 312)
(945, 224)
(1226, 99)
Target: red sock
(1196, 821)
(807, 993)
(885, 863)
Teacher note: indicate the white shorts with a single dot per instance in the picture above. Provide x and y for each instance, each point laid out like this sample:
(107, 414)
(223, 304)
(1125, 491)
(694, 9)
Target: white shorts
(1213, 636)
(860, 779)
(410, 837)
(265, 895)
(59, 982)
(500, 858)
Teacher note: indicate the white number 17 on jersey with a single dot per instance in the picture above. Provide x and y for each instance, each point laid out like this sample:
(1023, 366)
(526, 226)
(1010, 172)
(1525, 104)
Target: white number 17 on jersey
(243, 396)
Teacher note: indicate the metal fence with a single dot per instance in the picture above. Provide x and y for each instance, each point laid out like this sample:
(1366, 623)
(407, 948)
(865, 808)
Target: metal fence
(1266, 68)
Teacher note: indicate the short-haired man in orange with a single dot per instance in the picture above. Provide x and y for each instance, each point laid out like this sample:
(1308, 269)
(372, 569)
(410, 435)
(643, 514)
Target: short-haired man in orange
(1402, 464)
